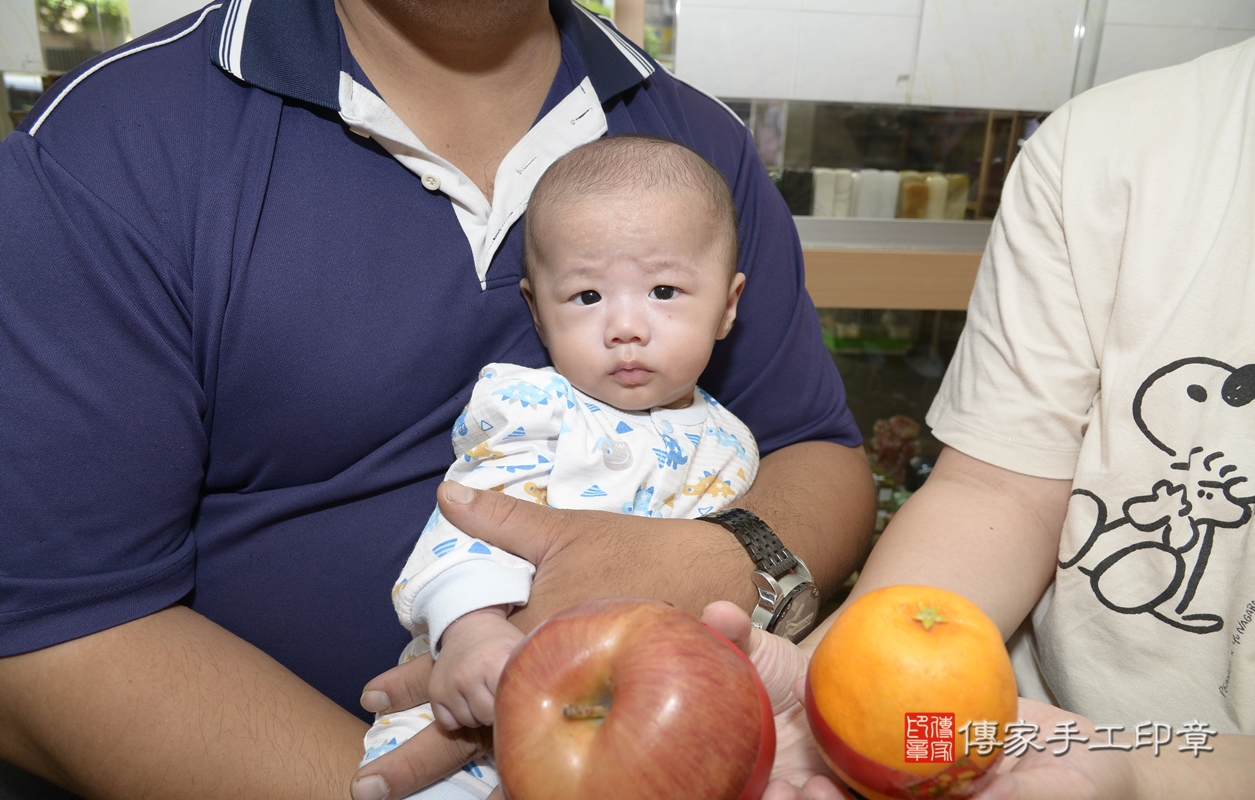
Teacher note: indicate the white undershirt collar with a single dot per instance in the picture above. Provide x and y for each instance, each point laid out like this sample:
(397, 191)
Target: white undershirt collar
(576, 120)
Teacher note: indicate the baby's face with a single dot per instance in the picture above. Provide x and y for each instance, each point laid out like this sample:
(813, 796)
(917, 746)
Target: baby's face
(630, 293)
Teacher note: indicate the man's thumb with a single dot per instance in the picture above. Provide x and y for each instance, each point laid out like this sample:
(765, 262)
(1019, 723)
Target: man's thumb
(514, 525)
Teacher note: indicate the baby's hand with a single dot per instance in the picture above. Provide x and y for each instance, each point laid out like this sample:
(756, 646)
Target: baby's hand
(473, 651)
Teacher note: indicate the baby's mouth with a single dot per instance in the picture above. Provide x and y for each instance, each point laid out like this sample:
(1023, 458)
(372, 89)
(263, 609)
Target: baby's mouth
(632, 373)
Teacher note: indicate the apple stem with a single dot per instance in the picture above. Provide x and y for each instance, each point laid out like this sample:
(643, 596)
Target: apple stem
(584, 712)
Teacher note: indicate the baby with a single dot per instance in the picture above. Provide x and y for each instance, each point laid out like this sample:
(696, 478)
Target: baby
(630, 256)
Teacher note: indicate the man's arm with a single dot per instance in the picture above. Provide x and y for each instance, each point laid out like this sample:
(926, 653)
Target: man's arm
(817, 496)
(821, 500)
(172, 705)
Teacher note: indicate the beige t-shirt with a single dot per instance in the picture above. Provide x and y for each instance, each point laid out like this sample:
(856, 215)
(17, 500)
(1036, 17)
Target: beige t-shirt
(1111, 341)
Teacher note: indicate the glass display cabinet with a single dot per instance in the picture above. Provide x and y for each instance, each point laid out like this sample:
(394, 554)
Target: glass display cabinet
(893, 205)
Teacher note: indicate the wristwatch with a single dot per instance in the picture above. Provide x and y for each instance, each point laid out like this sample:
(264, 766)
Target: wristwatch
(788, 600)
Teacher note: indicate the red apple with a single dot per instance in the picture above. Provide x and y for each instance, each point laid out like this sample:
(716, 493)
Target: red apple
(618, 699)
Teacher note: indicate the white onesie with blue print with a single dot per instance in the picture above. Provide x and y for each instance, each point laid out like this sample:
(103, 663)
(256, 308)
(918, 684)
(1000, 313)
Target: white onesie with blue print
(527, 432)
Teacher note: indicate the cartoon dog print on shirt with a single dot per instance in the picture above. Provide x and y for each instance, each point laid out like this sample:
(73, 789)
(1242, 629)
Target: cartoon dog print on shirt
(1153, 558)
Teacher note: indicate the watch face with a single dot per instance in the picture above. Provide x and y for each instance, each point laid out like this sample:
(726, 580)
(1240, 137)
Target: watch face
(797, 614)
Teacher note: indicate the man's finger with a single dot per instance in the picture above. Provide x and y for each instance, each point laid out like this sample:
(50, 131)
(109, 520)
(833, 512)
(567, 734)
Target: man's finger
(517, 526)
(821, 788)
(428, 756)
(782, 790)
(779, 662)
(731, 621)
(817, 788)
(404, 686)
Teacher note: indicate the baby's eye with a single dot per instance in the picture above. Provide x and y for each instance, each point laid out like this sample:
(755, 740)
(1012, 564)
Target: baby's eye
(587, 298)
(663, 292)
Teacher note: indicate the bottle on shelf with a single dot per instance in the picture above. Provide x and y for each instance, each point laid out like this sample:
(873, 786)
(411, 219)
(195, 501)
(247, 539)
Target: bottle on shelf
(871, 193)
(914, 202)
(938, 188)
(956, 195)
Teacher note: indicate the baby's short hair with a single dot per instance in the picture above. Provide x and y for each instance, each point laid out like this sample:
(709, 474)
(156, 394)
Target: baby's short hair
(633, 162)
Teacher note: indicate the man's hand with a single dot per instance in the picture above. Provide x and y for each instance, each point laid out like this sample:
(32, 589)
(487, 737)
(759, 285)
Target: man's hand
(431, 754)
(799, 771)
(583, 555)
(579, 555)
(818, 496)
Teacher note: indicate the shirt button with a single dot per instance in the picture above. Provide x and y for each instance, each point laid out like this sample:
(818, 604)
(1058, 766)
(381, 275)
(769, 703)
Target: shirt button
(431, 181)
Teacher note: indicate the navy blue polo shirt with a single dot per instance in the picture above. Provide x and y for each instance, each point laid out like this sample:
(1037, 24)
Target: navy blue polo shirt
(241, 307)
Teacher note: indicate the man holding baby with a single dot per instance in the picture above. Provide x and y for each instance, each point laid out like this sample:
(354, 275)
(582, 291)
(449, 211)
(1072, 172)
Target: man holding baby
(252, 265)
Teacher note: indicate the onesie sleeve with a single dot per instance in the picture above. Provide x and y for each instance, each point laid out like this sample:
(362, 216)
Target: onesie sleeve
(1020, 387)
(503, 441)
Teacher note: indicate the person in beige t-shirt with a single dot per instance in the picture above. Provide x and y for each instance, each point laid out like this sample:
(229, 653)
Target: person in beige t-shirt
(1096, 491)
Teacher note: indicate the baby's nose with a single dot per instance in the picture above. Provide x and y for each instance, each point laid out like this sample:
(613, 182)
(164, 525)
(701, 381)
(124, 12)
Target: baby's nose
(628, 323)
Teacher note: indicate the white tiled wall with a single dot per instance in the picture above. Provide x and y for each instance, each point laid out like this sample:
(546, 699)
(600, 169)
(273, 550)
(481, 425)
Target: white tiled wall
(1012, 54)
(1181, 13)
(976, 53)
(19, 37)
(968, 53)
(825, 71)
(856, 50)
(1148, 34)
(745, 49)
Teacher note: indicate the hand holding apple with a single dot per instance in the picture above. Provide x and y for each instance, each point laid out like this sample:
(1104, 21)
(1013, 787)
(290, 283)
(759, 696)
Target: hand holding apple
(631, 699)
(800, 772)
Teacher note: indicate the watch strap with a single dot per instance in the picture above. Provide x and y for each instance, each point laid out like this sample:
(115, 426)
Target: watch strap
(764, 547)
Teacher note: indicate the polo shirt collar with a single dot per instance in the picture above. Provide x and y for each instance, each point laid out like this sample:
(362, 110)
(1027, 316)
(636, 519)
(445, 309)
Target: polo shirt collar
(292, 48)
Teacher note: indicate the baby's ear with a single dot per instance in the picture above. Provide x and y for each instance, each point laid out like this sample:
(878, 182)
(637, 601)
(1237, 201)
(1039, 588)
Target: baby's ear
(525, 288)
(729, 311)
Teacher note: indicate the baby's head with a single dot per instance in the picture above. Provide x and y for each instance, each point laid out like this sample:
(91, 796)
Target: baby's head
(630, 255)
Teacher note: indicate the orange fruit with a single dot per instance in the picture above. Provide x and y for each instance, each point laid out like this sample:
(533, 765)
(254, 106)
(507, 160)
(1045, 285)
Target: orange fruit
(882, 683)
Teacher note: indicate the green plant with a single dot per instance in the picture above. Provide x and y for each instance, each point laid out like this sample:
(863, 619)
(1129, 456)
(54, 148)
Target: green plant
(78, 17)
(597, 8)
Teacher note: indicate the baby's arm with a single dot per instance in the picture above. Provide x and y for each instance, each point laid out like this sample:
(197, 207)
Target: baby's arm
(474, 650)
(503, 442)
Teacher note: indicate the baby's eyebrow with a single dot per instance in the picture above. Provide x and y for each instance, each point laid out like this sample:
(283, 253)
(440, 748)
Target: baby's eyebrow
(578, 275)
(668, 266)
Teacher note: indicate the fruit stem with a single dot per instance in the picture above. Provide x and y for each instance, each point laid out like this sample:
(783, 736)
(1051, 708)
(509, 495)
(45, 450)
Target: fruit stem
(928, 616)
(584, 712)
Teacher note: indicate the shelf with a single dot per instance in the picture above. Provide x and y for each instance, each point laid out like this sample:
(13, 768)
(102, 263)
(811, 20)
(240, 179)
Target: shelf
(886, 263)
